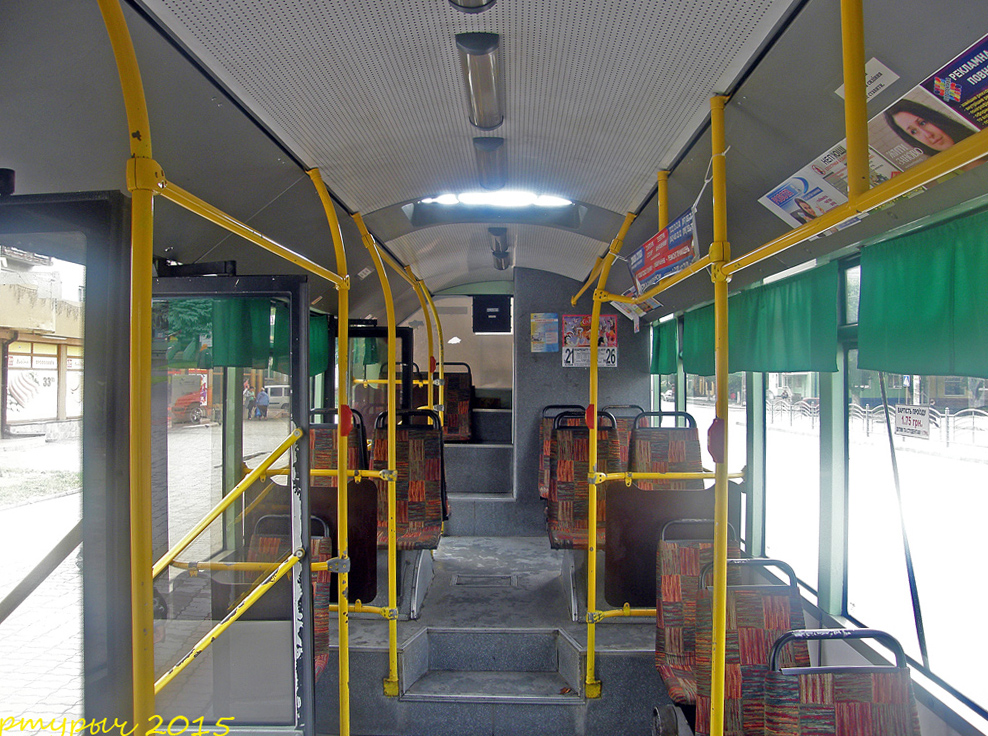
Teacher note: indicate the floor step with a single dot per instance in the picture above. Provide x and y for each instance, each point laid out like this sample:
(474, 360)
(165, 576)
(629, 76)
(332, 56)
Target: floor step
(493, 687)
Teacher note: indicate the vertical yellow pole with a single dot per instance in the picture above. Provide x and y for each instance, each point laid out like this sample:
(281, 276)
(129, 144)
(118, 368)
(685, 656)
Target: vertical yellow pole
(592, 684)
(663, 196)
(720, 253)
(142, 178)
(855, 101)
(391, 681)
(442, 354)
(418, 288)
(342, 442)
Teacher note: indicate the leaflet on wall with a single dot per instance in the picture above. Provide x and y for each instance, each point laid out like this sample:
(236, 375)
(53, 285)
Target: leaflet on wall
(545, 332)
(635, 312)
(576, 341)
(669, 250)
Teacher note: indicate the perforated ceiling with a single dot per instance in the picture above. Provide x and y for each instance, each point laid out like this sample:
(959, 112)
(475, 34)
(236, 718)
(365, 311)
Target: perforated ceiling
(599, 94)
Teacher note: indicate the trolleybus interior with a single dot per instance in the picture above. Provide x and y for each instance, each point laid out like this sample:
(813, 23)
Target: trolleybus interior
(655, 334)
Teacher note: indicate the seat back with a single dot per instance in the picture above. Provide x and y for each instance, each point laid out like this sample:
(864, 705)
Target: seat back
(323, 449)
(665, 450)
(757, 615)
(420, 488)
(626, 416)
(457, 400)
(546, 438)
(679, 560)
(569, 488)
(820, 701)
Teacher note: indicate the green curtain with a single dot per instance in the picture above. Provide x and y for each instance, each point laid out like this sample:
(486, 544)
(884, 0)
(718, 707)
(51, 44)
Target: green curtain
(664, 349)
(241, 329)
(698, 341)
(788, 326)
(280, 344)
(924, 301)
(318, 342)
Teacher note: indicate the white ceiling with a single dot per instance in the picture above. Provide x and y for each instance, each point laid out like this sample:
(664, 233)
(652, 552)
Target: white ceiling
(599, 96)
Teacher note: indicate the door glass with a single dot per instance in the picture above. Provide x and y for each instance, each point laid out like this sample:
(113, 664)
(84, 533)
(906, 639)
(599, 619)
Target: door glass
(41, 337)
(220, 397)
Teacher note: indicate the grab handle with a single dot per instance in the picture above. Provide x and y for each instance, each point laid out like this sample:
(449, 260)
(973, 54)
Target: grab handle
(760, 562)
(844, 634)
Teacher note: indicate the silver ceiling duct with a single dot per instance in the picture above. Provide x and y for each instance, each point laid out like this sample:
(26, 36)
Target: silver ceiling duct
(481, 69)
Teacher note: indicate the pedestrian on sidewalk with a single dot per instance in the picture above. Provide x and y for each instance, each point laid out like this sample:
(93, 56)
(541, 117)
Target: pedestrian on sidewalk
(262, 403)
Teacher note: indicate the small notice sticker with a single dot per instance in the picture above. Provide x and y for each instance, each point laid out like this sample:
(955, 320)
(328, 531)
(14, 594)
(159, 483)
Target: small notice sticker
(877, 77)
(912, 421)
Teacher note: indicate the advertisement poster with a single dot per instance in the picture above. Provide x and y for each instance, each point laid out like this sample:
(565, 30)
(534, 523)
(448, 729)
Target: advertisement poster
(669, 250)
(944, 109)
(545, 332)
(576, 341)
(803, 197)
(32, 393)
(832, 167)
(635, 312)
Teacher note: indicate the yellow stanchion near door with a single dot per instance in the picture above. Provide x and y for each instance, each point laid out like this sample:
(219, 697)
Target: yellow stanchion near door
(592, 684)
(391, 681)
(343, 425)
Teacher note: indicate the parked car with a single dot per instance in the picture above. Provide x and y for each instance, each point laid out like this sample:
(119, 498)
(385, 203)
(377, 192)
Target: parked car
(281, 399)
(187, 408)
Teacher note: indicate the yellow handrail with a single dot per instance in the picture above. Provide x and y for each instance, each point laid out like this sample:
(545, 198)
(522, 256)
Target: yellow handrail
(391, 681)
(227, 500)
(342, 442)
(442, 354)
(419, 289)
(189, 201)
(592, 684)
(241, 608)
(139, 167)
(720, 253)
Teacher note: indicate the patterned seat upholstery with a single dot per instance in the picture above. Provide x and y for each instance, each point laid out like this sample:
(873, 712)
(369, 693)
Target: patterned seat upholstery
(323, 583)
(457, 396)
(665, 450)
(756, 617)
(569, 489)
(625, 422)
(419, 490)
(322, 450)
(864, 701)
(546, 439)
(677, 588)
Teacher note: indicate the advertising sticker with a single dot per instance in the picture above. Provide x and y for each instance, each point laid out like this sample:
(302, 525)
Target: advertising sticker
(669, 250)
(576, 341)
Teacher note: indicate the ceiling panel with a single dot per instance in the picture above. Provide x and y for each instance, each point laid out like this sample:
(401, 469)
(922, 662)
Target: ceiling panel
(600, 95)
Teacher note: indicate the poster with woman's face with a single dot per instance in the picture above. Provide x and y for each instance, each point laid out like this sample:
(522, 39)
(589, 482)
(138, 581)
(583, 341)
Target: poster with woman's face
(915, 127)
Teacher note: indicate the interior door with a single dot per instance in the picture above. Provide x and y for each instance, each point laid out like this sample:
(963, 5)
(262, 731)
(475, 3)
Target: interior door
(229, 386)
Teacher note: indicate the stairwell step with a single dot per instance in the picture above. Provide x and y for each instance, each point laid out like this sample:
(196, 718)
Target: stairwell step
(493, 687)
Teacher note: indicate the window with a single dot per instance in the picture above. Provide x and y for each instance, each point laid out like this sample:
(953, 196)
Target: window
(941, 475)
(792, 471)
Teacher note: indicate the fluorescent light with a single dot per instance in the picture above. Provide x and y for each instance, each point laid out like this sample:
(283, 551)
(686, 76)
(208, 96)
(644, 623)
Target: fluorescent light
(454, 341)
(501, 198)
(491, 162)
(442, 199)
(547, 200)
(806, 266)
(481, 70)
